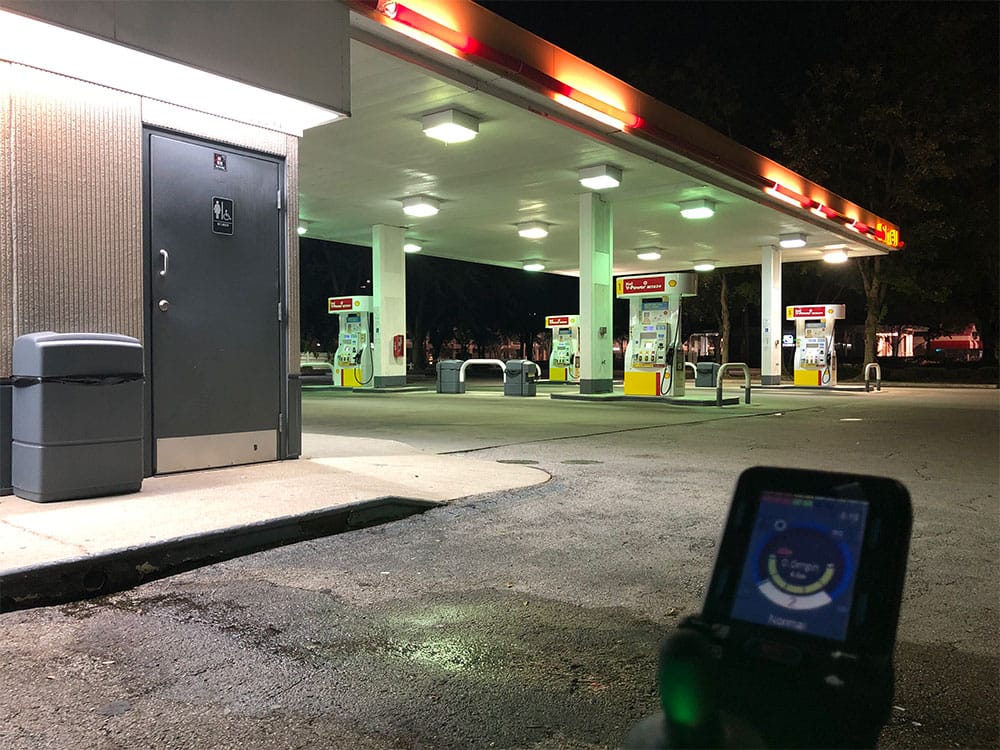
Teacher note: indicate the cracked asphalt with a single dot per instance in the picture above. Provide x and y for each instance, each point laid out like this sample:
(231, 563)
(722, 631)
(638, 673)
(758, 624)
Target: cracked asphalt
(523, 619)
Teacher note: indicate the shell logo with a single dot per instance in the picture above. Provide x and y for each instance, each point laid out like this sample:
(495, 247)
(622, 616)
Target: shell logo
(357, 303)
(672, 282)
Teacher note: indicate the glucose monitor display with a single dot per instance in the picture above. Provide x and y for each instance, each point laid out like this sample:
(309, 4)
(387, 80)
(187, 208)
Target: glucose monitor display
(801, 564)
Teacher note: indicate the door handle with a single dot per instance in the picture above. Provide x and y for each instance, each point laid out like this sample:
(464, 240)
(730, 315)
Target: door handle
(166, 261)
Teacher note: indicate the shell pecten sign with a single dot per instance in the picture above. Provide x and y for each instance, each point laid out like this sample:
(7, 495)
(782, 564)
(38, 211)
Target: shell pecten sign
(657, 284)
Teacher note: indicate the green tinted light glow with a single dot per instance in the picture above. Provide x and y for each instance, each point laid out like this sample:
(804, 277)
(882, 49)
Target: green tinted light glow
(681, 692)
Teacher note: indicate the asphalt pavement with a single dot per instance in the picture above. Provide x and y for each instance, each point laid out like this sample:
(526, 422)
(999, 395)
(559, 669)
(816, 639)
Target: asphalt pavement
(527, 617)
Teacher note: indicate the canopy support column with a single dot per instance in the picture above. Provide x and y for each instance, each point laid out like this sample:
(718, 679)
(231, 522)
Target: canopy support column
(771, 316)
(389, 303)
(596, 294)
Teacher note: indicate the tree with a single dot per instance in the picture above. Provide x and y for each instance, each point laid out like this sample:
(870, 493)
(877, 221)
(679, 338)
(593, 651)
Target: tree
(720, 292)
(328, 269)
(914, 143)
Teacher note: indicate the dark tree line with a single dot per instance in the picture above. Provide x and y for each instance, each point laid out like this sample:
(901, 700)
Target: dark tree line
(899, 115)
(474, 305)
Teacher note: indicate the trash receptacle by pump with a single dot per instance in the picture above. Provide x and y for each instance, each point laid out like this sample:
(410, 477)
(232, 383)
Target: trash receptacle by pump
(521, 378)
(76, 415)
(706, 374)
(448, 374)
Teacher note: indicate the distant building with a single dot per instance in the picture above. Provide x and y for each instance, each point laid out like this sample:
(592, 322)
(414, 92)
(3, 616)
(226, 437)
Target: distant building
(961, 347)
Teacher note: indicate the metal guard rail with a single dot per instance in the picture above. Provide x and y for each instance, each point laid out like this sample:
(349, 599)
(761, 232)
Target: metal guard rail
(722, 371)
(690, 366)
(498, 362)
(878, 376)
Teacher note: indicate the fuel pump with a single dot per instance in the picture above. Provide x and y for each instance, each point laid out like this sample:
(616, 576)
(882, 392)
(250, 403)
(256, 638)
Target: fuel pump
(654, 357)
(353, 363)
(815, 357)
(564, 361)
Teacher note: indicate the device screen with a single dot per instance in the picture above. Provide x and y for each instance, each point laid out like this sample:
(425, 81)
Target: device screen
(801, 564)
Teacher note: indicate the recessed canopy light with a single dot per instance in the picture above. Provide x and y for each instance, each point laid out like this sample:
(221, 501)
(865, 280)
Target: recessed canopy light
(303, 227)
(533, 230)
(702, 208)
(412, 246)
(601, 177)
(648, 253)
(792, 240)
(421, 206)
(533, 265)
(835, 256)
(451, 126)
(704, 265)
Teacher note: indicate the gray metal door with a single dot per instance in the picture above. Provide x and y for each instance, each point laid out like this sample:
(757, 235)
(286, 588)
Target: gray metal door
(215, 346)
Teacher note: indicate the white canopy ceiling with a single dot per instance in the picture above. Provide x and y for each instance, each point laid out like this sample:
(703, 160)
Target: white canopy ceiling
(522, 166)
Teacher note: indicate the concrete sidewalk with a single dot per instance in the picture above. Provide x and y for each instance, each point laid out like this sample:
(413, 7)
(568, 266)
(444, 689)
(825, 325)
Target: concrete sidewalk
(53, 552)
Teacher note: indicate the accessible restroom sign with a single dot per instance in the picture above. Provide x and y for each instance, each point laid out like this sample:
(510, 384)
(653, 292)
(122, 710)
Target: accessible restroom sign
(222, 215)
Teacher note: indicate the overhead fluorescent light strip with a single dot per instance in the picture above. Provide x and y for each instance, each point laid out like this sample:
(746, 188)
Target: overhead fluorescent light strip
(47, 47)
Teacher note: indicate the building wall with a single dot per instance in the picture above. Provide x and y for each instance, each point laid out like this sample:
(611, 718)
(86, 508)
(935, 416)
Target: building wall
(299, 48)
(71, 203)
(73, 206)
(71, 232)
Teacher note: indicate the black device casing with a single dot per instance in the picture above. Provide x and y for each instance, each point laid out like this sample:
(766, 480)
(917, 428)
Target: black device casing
(800, 690)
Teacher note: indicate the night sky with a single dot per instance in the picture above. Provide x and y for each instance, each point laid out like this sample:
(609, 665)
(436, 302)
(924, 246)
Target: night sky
(765, 48)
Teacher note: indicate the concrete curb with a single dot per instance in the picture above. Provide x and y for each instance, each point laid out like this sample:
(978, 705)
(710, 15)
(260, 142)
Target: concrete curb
(117, 570)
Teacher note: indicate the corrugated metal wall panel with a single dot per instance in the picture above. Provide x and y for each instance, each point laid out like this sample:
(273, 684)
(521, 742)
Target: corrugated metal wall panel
(71, 203)
(292, 243)
(76, 217)
(6, 240)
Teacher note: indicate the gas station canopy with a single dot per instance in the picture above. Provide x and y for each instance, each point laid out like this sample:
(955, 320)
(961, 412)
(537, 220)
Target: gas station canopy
(543, 115)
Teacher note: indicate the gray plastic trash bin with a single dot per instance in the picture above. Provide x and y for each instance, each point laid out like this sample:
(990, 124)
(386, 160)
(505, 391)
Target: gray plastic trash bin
(76, 415)
(706, 374)
(521, 377)
(448, 371)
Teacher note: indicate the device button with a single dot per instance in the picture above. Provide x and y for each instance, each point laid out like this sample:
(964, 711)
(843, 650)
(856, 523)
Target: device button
(771, 651)
(720, 631)
(834, 681)
(843, 655)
